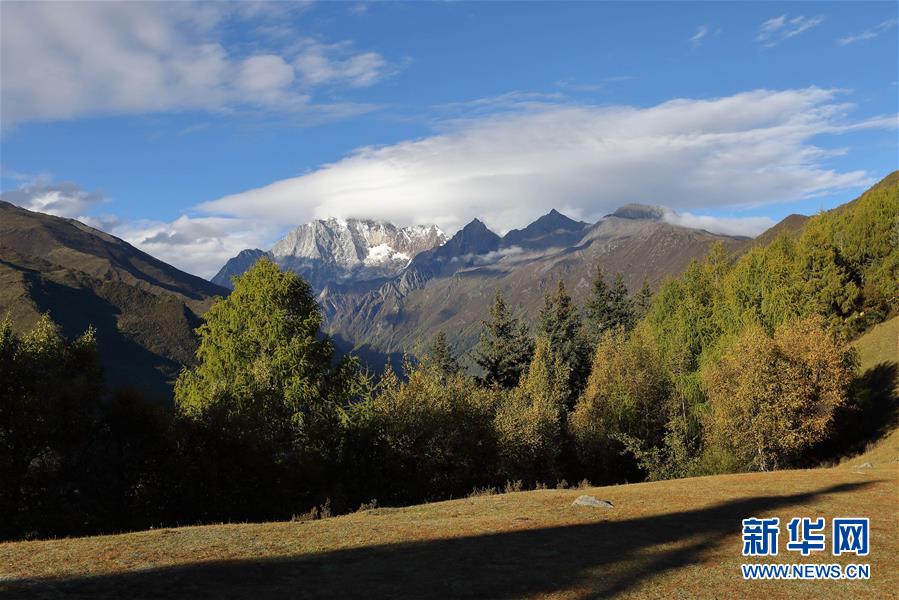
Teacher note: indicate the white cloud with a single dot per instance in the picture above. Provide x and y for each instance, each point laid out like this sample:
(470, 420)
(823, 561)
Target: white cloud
(63, 60)
(199, 245)
(749, 226)
(509, 167)
(697, 37)
(65, 199)
(265, 73)
(778, 29)
(749, 149)
(323, 64)
(358, 9)
(494, 256)
(868, 34)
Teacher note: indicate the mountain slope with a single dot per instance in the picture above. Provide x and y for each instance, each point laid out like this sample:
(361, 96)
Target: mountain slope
(73, 245)
(791, 224)
(143, 309)
(552, 230)
(237, 266)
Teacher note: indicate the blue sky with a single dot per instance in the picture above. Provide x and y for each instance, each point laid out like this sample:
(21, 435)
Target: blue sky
(195, 130)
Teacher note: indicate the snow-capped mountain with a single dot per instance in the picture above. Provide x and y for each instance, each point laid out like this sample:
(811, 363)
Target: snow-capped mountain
(335, 250)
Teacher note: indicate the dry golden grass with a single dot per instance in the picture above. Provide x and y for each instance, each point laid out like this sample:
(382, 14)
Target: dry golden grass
(879, 345)
(668, 539)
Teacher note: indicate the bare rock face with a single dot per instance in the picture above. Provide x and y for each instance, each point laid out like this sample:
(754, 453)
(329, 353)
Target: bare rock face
(337, 251)
(238, 265)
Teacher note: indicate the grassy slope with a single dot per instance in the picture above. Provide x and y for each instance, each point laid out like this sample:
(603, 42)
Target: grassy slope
(878, 349)
(666, 539)
(879, 345)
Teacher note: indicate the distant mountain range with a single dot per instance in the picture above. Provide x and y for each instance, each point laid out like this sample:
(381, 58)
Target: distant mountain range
(382, 307)
(143, 309)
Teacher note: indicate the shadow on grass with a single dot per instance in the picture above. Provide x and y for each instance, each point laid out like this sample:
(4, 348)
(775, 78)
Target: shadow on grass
(870, 413)
(603, 559)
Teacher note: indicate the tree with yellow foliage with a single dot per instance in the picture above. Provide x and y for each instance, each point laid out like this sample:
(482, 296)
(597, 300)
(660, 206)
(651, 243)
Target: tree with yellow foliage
(773, 397)
(627, 396)
(529, 419)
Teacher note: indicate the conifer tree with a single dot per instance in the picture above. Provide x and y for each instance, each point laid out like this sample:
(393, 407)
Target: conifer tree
(774, 397)
(627, 395)
(442, 356)
(609, 306)
(505, 347)
(642, 301)
(621, 307)
(598, 307)
(561, 325)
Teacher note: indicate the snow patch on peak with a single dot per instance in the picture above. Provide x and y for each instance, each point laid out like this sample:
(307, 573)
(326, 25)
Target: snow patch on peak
(379, 254)
(385, 253)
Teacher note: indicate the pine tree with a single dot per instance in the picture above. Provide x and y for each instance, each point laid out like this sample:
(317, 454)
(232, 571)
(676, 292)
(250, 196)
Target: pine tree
(598, 308)
(442, 356)
(621, 307)
(505, 347)
(609, 306)
(561, 325)
(642, 301)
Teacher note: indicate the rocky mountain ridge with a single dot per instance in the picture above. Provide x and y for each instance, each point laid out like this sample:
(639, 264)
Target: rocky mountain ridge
(450, 288)
(335, 250)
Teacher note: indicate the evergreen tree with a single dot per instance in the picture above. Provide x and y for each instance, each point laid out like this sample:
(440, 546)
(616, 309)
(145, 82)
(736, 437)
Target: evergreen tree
(442, 356)
(609, 306)
(598, 306)
(826, 284)
(561, 325)
(505, 347)
(621, 307)
(642, 301)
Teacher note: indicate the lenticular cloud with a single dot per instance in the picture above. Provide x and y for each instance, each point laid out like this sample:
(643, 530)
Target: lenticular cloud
(748, 149)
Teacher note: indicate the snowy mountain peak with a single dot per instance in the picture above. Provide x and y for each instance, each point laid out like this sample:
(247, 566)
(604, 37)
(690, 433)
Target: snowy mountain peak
(335, 250)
